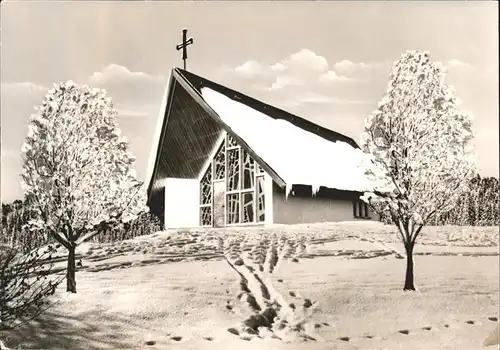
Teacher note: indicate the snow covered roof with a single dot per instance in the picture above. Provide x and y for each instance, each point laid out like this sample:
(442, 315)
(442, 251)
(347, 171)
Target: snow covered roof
(298, 156)
(292, 150)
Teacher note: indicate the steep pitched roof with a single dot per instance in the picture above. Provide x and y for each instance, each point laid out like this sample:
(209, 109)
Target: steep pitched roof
(211, 100)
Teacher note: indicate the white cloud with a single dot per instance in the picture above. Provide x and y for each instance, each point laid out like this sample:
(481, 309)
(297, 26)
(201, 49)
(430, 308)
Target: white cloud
(285, 81)
(457, 64)
(303, 77)
(278, 67)
(134, 112)
(310, 68)
(127, 87)
(350, 68)
(306, 61)
(349, 65)
(137, 111)
(250, 69)
(318, 98)
(332, 76)
(299, 68)
(303, 63)
(115, 72)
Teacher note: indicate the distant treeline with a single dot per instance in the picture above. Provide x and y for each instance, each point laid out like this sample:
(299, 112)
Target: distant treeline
(17, 214)
(14, 218)
(479, 206)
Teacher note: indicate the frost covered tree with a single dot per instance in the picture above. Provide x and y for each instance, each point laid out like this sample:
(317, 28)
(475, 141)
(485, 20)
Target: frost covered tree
(77, 169)
(419, 142)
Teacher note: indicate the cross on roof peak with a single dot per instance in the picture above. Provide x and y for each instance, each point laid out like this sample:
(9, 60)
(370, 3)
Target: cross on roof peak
(185, 43)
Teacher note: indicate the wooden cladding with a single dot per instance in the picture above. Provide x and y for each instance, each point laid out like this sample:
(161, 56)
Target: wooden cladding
(191, 135)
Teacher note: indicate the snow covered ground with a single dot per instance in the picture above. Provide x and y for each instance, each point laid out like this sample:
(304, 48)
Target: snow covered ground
(172, 290)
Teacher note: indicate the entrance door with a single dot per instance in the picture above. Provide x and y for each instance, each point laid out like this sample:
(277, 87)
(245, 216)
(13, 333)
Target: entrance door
(219, 188)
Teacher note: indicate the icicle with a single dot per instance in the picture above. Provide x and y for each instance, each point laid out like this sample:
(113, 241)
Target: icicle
(315, 189)
(288, 190)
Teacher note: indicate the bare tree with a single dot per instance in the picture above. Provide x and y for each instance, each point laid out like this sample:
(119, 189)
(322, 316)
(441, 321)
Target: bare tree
(25, 284)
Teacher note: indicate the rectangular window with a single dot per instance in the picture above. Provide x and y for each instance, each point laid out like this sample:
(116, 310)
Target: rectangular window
(248, 171)
(261, 213)
(259, 169)
(206, 187)
(206, 216)
(233, 169)
(233, 208)
(360, 209)
(231, 141)
(220, 164)
(248, 207)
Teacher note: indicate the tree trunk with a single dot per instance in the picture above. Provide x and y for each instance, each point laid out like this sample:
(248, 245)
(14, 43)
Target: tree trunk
(409, 281)
(70, 272)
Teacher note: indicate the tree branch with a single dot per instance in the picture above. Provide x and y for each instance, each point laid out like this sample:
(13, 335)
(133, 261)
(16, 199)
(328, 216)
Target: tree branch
(60, 239)
(414, 238)
(104, 225)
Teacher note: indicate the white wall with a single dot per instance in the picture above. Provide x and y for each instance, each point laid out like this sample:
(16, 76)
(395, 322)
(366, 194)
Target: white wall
(305, 210)
(268, 199)
(182, 203)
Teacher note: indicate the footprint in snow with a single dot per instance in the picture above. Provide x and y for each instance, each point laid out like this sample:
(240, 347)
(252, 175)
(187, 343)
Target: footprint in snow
(233, 331)
(247, 337)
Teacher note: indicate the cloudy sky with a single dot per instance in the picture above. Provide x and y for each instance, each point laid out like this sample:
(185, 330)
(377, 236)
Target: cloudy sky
(327, 62)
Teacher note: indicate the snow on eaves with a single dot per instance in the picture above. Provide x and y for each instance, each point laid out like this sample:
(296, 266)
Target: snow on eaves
(299, 157)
